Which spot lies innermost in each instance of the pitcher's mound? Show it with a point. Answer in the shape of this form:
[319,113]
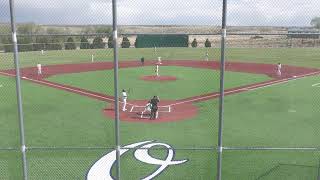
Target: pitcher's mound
[158,78]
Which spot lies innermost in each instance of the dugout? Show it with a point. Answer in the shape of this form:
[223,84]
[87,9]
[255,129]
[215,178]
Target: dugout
[161,40]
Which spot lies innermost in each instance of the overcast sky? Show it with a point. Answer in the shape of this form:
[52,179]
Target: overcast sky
[165,12]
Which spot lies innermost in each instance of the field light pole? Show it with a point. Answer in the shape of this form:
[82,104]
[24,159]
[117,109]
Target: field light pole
[221,99]
[116,93]
[18,90]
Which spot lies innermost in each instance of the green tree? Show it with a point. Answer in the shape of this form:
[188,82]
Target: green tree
[136,43]
[40,44]
[88,30]
[194,43]
[54,44]
[70,44]
[7,41]
[25,41]
[98,43]
[207,43]
[54,40]
[315,22]
[103,29]
[125,42]
[110,42]
[28,28]
[5,29]
[84,43]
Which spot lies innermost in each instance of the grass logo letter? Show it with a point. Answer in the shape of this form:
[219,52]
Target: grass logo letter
[101,170]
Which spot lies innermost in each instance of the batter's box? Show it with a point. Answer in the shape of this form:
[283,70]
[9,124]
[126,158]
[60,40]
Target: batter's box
[139,109]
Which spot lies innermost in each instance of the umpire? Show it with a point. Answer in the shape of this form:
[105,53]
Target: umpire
[154,107]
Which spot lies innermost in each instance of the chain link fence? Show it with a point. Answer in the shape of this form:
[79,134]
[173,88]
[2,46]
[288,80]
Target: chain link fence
[73,128]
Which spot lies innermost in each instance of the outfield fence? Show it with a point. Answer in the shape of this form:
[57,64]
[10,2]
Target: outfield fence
[69,121]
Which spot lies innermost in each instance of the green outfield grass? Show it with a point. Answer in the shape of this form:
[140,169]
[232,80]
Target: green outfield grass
[283,115]
[308,57]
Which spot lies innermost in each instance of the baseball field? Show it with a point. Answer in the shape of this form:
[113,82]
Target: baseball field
[69,114]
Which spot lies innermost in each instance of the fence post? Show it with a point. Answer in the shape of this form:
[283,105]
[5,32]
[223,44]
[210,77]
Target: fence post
[116,93]
[221,98]
[18,90]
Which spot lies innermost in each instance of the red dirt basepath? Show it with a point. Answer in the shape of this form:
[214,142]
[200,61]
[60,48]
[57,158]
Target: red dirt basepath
[134,109]
[158,78]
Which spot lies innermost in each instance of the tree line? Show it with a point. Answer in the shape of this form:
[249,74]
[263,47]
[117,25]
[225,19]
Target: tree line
[55,43]
[194,43]
[52,40]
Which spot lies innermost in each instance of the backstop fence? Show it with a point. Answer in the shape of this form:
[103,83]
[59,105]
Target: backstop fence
[236,102]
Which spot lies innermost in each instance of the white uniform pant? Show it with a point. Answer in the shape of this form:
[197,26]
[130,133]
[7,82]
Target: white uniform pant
[124,101]
[157,70]
[279,72]
[39,71]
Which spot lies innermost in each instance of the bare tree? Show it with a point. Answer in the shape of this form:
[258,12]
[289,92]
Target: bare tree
[315,22]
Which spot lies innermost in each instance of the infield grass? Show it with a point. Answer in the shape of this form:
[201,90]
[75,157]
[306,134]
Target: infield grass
[190,81]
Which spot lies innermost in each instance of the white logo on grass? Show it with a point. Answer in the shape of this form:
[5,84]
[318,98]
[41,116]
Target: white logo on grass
[101,170]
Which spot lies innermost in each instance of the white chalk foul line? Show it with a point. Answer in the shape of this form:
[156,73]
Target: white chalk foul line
[131,108]
[250,88]
[64,87]
[67,88]
[316,85]
[7,74]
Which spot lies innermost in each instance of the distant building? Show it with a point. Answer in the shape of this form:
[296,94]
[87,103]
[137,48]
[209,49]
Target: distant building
[303,33]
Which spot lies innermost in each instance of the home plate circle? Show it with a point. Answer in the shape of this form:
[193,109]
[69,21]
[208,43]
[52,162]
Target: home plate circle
[168,110]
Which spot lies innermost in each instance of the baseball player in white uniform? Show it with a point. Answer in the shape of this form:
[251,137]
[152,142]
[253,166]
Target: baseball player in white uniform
[157,70]
[124,100]
[39,69]
[159,60]
[279,66]
[207,56]
[147,108]
[157,66]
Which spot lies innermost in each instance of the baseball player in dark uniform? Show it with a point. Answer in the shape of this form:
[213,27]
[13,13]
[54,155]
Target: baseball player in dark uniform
[154,107]
[142,61]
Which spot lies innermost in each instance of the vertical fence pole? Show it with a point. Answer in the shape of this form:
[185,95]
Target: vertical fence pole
[116,94]
[221,99]
[18,90]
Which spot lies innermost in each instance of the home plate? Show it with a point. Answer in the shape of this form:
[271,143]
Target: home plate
[294,76]
[23,77]
[292,110]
